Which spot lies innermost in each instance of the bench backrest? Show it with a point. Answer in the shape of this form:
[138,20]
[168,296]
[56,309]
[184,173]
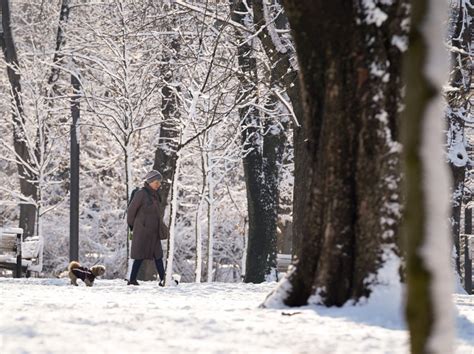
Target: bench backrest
[31,247]
[8,239]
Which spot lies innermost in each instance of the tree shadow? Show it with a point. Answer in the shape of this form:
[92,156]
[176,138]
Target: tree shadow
[388,318]
[388,315]
[465,328]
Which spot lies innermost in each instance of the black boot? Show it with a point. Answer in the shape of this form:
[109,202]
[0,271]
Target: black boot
[132,282]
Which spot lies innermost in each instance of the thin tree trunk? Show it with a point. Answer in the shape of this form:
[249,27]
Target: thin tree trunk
[261,249]
[166,152]
[173,211]
[283,77]
[167,149]
[427,247]
[198,265]
[458,173]
[58,55]
[27,179]
[273,146]
[458,107]
[210,219]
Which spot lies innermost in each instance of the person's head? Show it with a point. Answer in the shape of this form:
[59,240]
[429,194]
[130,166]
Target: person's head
[153,179]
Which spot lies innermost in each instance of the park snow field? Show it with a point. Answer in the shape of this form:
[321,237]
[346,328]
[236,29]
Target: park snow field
[50,316]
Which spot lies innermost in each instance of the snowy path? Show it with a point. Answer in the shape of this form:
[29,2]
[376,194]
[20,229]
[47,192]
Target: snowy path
[47,315]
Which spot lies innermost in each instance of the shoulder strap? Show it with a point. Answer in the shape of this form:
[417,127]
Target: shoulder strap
[150,198]
[133,194]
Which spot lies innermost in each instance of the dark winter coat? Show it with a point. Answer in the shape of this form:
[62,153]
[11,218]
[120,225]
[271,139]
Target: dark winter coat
[143,215]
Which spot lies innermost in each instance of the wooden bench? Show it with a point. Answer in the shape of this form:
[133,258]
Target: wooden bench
[20,255]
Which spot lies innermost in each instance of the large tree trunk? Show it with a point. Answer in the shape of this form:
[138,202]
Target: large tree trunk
[428,304]
[349,221]
[28,187]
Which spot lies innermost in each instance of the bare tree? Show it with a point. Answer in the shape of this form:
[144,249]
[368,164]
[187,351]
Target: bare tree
[165,154]
[260,155]
[428,309]
[271,25]
[23,153]
[126,103]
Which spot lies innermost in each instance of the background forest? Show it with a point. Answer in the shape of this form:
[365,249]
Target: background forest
[207,93]
[155,80]
[336,133]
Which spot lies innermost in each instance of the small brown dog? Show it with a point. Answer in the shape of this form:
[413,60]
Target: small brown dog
[76,271]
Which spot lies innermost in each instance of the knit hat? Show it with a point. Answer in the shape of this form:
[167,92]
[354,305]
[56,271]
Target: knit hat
[153,175]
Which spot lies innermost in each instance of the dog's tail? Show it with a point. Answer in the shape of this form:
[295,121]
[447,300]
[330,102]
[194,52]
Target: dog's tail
[73,265]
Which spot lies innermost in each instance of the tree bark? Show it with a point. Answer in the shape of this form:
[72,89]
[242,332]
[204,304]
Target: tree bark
[259,152]
[284,76]
[349,218]
[424,293]
[58,55]
[166,152]
[27,178]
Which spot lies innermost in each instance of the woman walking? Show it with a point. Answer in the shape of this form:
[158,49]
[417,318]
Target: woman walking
[143,217]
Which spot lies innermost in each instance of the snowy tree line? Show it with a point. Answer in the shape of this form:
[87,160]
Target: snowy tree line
[158,87]
[209,94]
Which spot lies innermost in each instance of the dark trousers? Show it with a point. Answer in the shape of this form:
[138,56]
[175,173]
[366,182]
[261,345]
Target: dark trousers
[138,262]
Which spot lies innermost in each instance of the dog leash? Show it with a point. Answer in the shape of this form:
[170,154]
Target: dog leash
[95,263]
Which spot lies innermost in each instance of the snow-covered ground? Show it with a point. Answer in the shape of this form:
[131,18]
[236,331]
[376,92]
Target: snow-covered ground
[50,316]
